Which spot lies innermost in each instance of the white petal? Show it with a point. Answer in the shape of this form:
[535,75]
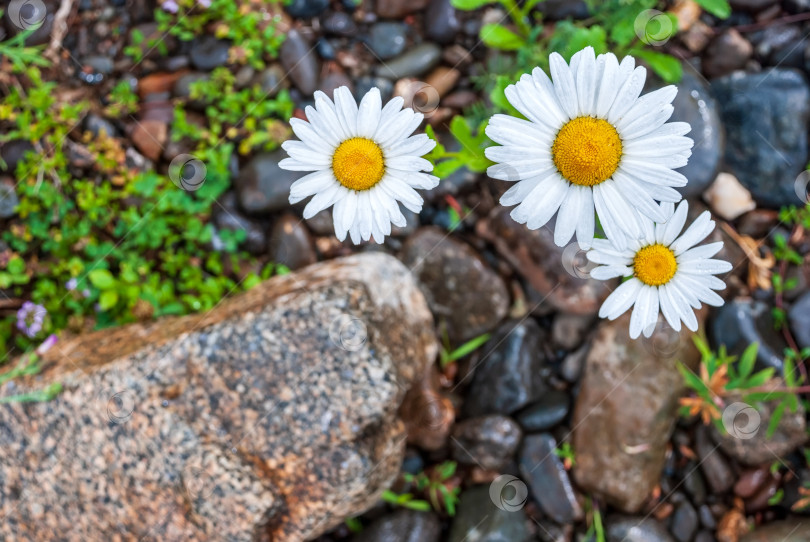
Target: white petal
[668,307]
[311,184]
[290,164]
[346,109]
[322,127]
[368,116]
[608,86]
[586,82]
[628,93]
[586,221]
[674,225]
[324,200]
[642,315]
[553,113]
[564,85]
[607,272]
[694,234]
[349,214]
[568,216]
[621,299]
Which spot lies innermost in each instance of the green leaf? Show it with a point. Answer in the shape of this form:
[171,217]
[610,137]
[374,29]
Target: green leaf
[500,37]
[760,378]
[447,167]
[468,347]
[108,299]
[469,5]
[776,417]
[718,8]
[101,279]
[691,379]
[746,363]
[667,67]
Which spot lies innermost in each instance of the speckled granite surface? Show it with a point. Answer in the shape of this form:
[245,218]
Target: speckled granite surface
[272,417]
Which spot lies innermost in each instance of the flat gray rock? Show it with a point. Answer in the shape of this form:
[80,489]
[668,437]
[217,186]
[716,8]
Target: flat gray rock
[272,417]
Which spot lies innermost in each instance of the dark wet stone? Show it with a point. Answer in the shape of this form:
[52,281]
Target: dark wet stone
[547,478]
[96,125]
[403,526]
[705,536]
[12,153]
[228,216]
[262,186]
[707,517]
[726,53]
[762,498]
[366,82]
[557,10]
[533,254]
[427,413]
[779,45]
[211,416]
[478,516]
[8,198]
[340,24]
[182,87]
[796,6]
[325,49]
[551,409]
[799,319]
[387,39]
[395,9]
[99,64]
[766,151]
[488,441]
[447,269]
[713,464]
[305,9]
[300,62]
[571,368]
[334,81]
[569,330]
[208,52]
[441,22]
[271,80]
[694,484]
[694,104]
[290,243]
[508,376]
[745,438]
[637,530]
[741,322]
[684,523]
[787,530]
[750,482]
[413,63]
[623,414]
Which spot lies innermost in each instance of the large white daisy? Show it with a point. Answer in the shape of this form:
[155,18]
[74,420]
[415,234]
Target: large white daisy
[589,142]
[363,160]
[668,272]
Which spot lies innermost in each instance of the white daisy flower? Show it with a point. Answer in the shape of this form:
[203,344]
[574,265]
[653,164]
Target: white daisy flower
[668,272]
[363,160]
[589,142]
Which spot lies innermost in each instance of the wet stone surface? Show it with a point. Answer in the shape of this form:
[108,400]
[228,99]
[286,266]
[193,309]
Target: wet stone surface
[160,427]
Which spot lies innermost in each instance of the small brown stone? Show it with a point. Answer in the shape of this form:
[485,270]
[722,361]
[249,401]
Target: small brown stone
[149,136]
[443,79]
[159,82]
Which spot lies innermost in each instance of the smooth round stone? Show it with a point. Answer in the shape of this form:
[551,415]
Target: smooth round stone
[271,80]
[387,39]
[300,62]
[441,21]
[799,318]
[340,24]
[550,410]
[304,9]
[413,63]
[208,52]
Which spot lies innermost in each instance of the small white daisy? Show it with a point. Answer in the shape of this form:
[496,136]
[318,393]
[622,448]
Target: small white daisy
[589,143]
[363,160]
[668,272]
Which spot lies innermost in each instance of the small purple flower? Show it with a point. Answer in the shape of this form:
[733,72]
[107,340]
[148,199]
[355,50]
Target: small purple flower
[30,317]
[71,284]
[204,3]
[170,6]
[47,344]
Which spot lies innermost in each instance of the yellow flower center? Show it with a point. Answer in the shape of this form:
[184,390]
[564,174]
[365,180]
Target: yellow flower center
[358,163]
[587,151]
[654,265]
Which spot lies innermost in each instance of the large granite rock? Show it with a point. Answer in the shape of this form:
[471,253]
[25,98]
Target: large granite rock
[272,417]
[767,150]
[625,411]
